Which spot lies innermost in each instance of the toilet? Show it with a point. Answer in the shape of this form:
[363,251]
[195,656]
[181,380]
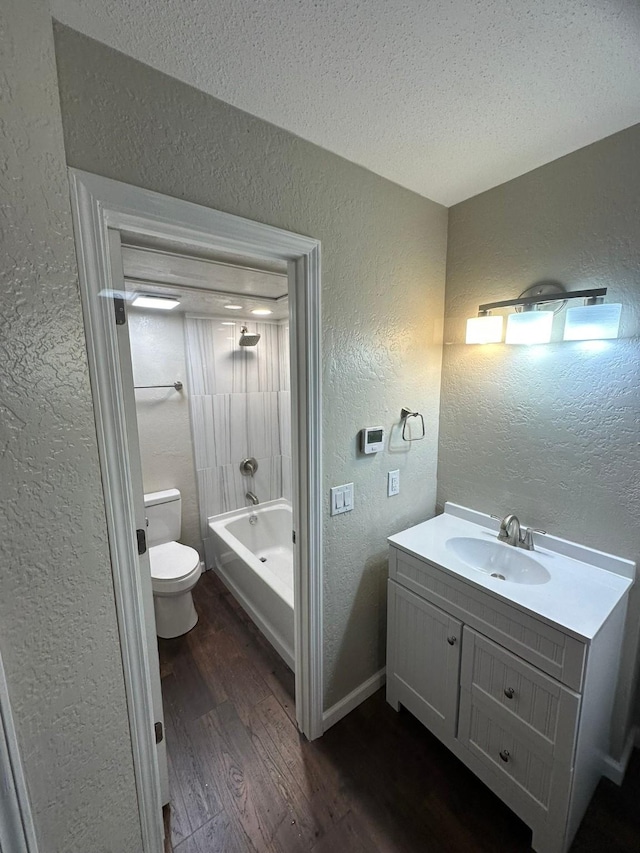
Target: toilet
[175,568]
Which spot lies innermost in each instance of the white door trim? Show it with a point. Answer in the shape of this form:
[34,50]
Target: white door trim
[98,204]
[17,832]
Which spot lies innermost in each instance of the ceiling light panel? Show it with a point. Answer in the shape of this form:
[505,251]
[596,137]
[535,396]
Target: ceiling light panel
[161,303]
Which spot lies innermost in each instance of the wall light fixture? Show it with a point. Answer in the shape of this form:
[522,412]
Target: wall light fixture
[484,329]
[592,321]
[533,318]
[532,326]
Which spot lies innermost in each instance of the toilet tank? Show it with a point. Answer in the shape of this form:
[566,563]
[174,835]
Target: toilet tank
[164,514]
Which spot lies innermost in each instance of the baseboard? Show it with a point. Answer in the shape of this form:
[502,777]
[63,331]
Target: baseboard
[615,770]
[336,712]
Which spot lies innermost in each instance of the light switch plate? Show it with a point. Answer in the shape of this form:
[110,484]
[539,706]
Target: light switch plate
[393,483]
[341,499]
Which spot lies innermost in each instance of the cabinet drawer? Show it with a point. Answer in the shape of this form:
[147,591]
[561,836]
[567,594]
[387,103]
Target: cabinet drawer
[545,646]
[492,741]
[538,704]
[520,769]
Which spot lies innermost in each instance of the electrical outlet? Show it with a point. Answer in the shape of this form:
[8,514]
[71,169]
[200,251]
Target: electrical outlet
[393,483]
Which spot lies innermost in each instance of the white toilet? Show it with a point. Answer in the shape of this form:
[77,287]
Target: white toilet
[175,568]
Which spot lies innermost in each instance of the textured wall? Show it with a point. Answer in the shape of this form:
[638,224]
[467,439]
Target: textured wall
[383,256]
[58,631]
[164,426]
[550,432]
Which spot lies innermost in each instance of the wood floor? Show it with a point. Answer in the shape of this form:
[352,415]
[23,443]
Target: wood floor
[242,779]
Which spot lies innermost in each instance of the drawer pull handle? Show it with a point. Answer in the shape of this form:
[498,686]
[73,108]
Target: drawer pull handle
[451,640]
[509,692]
[504,755]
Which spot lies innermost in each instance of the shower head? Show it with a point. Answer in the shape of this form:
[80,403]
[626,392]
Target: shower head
[247,340]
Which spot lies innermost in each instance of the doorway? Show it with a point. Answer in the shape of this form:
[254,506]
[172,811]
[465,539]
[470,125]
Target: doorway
[106,215]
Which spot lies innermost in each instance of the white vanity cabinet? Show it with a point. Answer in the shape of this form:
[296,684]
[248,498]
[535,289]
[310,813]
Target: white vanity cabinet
[524,703]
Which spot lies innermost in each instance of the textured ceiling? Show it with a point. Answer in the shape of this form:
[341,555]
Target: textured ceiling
[445,97]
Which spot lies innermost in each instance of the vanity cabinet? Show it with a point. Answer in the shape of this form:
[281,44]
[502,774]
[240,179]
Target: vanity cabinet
[524,704]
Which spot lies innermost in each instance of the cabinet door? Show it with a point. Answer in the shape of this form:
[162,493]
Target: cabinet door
[423,662]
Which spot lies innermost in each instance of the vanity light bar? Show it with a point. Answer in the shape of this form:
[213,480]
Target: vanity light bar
[540,298]
[594,320]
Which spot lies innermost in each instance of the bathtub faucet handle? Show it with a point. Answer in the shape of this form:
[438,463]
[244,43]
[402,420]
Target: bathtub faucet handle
[249,466]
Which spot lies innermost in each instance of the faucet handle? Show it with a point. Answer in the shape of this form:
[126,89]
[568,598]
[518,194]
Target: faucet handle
[526,540]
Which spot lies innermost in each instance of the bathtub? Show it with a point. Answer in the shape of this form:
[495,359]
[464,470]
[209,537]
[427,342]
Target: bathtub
[255,561]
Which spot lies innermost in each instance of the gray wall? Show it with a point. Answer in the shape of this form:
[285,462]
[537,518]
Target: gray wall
[551,432]
[164,426]
[383,257]
[58,632]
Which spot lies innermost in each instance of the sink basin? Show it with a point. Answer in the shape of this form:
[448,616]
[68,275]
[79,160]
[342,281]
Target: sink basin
[501,561]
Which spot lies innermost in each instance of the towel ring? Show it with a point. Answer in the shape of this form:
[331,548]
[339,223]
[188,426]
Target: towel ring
[405,415]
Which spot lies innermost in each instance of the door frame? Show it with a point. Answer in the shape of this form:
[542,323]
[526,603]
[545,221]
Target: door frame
[17,832]
[98,204]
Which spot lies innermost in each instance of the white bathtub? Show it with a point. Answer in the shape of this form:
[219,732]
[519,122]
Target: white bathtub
[256,563]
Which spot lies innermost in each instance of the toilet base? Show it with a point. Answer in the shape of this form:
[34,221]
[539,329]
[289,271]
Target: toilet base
[175,614]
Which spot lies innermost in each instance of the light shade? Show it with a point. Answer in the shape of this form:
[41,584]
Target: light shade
[146,300]
[529,327]
[484,330]
[592,322]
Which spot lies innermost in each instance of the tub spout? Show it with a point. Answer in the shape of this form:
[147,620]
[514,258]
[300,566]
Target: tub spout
[253,498]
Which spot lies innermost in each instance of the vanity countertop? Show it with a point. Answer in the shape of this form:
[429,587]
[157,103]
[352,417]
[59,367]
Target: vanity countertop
[584,585]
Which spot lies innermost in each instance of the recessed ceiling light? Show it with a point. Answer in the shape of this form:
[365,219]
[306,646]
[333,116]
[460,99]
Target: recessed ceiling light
[262,312]
[234,307]
[148,300]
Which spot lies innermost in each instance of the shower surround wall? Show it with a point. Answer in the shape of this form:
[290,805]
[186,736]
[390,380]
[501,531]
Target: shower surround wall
[240,407]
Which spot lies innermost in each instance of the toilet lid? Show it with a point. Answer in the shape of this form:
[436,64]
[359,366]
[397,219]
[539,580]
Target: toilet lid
[172,560]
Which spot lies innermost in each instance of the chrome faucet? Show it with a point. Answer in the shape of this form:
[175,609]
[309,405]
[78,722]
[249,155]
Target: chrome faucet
[511,533]
[509,530]
[253,498]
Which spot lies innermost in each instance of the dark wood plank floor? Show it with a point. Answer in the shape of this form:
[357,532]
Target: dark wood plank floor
[242,779]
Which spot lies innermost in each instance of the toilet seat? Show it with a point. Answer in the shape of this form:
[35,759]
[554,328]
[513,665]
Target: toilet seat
[174,568]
